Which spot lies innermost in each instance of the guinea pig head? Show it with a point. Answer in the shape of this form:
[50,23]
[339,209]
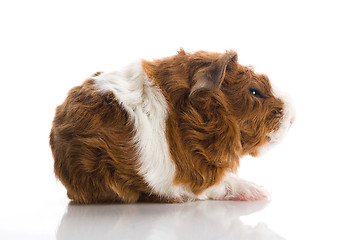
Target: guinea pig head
[263,114]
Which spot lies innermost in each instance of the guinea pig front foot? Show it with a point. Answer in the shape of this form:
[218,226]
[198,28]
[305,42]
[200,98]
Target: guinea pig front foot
[238,189]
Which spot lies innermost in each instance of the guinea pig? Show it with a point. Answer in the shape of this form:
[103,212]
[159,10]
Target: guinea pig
[168,130]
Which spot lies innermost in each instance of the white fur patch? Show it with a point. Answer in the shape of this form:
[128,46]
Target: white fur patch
[234,188]
[148,109]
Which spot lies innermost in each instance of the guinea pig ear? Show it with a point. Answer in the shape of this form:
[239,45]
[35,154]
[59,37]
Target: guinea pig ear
[211,77]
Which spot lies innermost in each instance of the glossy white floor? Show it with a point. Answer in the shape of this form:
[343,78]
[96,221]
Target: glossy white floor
[310,48]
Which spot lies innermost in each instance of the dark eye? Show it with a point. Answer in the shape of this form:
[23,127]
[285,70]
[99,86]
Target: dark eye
[255,92]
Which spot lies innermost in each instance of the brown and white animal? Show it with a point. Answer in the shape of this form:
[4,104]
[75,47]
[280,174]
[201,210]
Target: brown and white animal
[168,130]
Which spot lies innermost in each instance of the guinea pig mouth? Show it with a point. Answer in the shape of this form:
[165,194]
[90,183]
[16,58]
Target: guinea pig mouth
[276,135]
[277,132]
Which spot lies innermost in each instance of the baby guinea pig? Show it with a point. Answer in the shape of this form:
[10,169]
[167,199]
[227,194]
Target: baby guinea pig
[169,130]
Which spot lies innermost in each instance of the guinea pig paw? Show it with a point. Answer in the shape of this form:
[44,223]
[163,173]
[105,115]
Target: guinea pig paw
[181,199]
[247,191]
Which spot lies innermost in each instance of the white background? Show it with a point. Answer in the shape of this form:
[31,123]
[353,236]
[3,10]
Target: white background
[310,49]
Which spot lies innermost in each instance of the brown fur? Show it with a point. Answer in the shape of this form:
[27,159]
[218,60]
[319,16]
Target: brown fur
[91,144]
[208,133]
[213,121]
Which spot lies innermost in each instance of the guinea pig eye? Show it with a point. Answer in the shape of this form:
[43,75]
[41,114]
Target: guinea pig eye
[255,92]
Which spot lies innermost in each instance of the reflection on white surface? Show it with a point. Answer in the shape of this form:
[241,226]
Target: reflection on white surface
[195,220]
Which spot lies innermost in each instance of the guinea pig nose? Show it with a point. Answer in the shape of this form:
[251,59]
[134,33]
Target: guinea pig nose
[292,121]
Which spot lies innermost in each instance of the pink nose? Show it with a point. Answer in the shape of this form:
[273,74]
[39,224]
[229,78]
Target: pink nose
[292,121]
